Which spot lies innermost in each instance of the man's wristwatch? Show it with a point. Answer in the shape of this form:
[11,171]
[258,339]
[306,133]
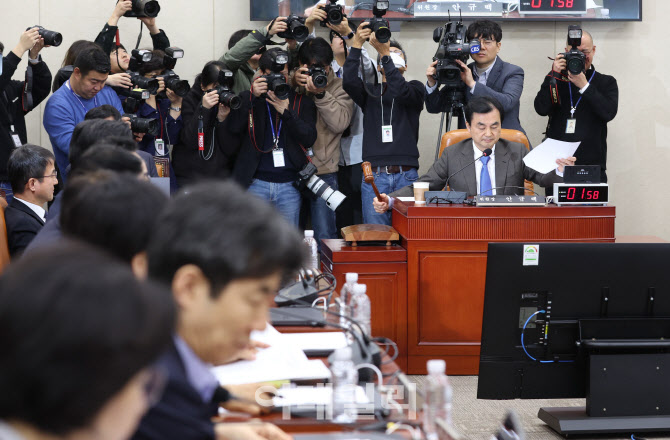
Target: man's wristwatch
[348,37]
[176,109]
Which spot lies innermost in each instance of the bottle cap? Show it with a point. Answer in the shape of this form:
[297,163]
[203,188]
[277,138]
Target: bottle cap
[309,233]
[436,366]
[351,277]
[359,288]
[343,354]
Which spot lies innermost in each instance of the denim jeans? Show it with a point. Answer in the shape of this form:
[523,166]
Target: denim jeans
[7,188]
[283,196]
[386,184]
[323,218]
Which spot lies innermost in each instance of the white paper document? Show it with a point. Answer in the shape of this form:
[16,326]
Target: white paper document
[543,157]
[316,341]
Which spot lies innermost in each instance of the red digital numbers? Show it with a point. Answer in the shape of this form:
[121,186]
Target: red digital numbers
[571,194]
[596,195]
[569,3]
[585,195]
[537,4]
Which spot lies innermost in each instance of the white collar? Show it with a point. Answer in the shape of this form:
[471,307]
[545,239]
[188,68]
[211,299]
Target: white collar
[37,209]
[478,152]
[488,69]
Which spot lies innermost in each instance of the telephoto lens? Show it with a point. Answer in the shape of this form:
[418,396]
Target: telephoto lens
[51,38]
[142,125]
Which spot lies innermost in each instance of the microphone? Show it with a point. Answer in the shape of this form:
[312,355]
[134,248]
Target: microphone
[459,196]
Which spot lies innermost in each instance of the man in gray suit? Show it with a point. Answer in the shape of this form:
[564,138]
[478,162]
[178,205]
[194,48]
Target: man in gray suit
[488,75]
[504,165]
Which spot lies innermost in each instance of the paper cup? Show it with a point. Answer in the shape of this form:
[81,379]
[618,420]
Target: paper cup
[420,189]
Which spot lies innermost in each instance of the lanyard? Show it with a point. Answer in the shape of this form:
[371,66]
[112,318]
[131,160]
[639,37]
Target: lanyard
[95,98]
[381,99]
[275,135]
[573,108]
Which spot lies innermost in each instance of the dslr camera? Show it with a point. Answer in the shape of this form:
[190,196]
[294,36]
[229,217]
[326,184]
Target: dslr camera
[452,46]
[169,77]
[574,58]
[142,125]
[296,29]
[144,8]
[319,76]
[309,182]
[225,90]
[137,58]
[51,38]
[380,26]
[334,14]
[276,80]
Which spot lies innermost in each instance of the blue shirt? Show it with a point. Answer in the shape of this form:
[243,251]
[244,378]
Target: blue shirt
[64,111]
[198,372]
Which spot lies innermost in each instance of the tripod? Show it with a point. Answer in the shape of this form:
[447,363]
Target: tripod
[455,97]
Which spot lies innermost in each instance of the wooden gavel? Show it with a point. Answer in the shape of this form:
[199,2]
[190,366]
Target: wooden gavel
[369,178]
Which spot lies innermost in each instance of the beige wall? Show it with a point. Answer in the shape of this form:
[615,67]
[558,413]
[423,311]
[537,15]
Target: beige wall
[639,137]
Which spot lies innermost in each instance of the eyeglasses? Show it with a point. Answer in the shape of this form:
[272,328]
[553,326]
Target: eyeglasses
[486,42]
[53,175]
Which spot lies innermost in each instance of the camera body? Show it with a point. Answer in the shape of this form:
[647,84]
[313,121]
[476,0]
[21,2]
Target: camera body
[51,38]
[296,29]
[575,58]
[225,90]
[452,46]
[334,13]
[319,76]
[380,26]
[277,84]
[142,125]
[308,182]
[144,8]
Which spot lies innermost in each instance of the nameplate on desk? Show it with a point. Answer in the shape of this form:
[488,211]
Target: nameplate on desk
[503,200]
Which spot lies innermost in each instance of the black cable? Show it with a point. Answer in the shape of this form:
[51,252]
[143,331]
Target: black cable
[139,37]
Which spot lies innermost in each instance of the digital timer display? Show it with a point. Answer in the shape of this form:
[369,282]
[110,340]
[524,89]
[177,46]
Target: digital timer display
[552,6]
[584,193]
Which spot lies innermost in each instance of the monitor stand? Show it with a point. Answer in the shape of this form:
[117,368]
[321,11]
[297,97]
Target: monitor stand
[574,421]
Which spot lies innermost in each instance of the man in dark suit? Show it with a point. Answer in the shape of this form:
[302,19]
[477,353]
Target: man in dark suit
[224,254]
[502,172]
[488,75]
[32,174]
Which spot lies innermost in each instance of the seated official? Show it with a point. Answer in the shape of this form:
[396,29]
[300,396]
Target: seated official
[79,336]
[503,172]
[224,254]
[33,177]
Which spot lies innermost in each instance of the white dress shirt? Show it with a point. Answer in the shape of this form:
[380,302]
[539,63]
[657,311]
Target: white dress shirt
[482,77]
[37,209]
[490,166]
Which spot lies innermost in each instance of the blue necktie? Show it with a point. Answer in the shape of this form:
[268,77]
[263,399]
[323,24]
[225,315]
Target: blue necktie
[484,178]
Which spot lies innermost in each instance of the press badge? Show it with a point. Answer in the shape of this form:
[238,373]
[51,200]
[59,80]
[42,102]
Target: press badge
[159,145]
[17,140]
[278,157]
[387,133]
[570,126]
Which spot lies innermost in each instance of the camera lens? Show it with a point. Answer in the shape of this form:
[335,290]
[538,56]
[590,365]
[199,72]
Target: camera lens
[142,125]
[320,80]
[299,30]
[575,65]
[382,33]
[180,87]
[335,16]
[230,100]
[281,89]
[149,8]
[51,38]
[151,84]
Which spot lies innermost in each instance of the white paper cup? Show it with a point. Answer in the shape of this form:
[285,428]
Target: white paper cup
[420,189]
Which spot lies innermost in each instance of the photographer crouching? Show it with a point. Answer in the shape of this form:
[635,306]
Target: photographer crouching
[334,109]
[276,126]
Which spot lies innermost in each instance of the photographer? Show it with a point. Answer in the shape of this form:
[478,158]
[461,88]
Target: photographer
[274,146]
[391,123]
[587,101]
[488,75]
[245,48]
[168,113]
[12,113]
[334,109]
[201,107]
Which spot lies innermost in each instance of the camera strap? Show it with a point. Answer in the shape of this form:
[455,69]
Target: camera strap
[27,98]
[573,107]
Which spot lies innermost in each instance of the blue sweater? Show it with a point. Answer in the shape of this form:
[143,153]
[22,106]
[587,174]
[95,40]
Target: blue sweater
[64,111]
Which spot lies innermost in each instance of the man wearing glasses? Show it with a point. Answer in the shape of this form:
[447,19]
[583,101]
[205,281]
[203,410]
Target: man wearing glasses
[32,174]
[488,76]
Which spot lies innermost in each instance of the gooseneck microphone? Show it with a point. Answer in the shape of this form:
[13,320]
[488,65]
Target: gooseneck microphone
[485,153]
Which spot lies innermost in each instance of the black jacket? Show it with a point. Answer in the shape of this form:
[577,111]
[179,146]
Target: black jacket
[598,106]
[188,162]
[22,226]
[406,98]
[108,33]
[11,93]
[299,131]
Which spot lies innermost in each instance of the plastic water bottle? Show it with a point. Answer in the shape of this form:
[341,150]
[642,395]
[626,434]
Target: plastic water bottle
[437,404]
[360,307]
[345,380]
[345,298]
[313,250]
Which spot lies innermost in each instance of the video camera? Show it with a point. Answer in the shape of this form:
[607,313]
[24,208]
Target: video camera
[309,181]
[380,26]
[574,58]
[451,47]
[142,125]
[143,8]
[51,38]
[226,95]
[334,14]
[296,29]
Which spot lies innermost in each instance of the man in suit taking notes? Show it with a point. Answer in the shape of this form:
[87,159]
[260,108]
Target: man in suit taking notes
[501,172]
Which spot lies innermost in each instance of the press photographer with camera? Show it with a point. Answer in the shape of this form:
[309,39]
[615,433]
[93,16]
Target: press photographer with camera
[487,75]
[334,109]
[68,105]
[245,48]
[12,105]
[390,121]
[276,126]
[579,100]
[205,147]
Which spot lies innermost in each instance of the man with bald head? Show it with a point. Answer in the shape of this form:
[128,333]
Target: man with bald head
[581,108]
